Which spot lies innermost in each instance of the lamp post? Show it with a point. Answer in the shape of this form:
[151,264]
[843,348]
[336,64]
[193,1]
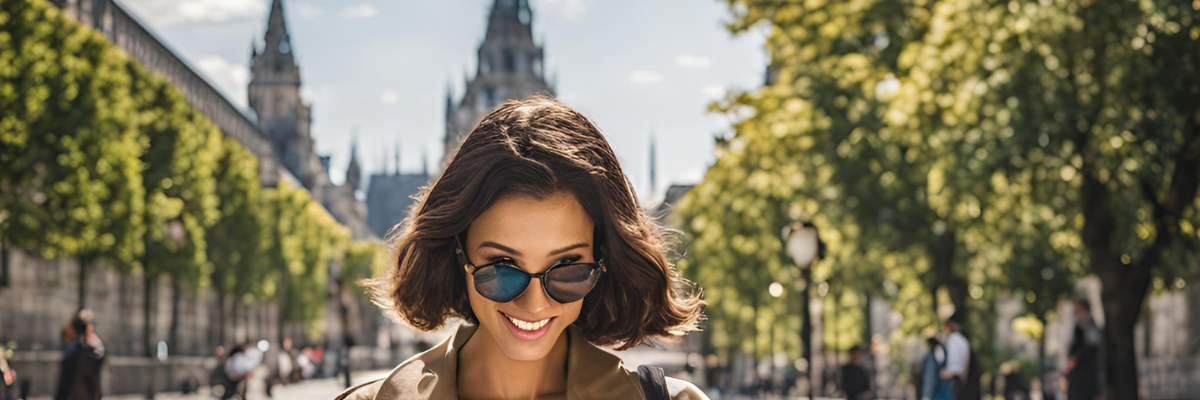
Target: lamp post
[803,245]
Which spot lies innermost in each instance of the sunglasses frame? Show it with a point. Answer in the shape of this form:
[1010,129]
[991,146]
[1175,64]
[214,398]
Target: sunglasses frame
[462,258]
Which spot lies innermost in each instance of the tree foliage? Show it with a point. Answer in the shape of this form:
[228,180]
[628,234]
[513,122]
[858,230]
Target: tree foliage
[975,146]
[71,176]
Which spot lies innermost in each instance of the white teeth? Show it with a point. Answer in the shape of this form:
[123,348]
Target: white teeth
[526,325]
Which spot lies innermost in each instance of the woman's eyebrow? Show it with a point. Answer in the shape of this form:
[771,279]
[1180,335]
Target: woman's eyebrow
[569,248]
[517,253]
[500,247]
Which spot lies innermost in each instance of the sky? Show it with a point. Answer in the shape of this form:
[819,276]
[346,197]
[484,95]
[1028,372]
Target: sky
[378,70]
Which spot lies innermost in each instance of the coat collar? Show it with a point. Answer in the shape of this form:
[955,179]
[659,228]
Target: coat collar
[592,373]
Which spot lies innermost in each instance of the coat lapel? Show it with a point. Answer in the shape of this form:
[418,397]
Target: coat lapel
[592,373]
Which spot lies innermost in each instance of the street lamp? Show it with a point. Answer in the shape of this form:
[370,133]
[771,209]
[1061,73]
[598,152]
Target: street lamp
[804,246]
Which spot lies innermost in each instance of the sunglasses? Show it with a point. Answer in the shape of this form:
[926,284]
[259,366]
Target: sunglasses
[503,281]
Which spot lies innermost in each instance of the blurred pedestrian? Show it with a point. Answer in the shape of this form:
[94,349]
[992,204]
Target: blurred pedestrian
[79,378]
[958,357]
[8,377]
[1015,386]
[933,387]
[1083,363]
[856,383]
[239,366]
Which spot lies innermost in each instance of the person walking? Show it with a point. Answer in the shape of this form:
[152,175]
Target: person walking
[83,357]
[856,383]
[1083,363]
[933,387]
[958,357]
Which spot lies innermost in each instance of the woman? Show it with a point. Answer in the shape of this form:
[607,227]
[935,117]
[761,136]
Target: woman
[933,387]
[533,236]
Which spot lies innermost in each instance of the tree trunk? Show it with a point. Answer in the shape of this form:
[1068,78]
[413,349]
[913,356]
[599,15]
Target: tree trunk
[173,330]
[1123,300]
[4,283]
[235,320]
[942,250]
[148,315]
[218,336]
[1041,353]
[82,289]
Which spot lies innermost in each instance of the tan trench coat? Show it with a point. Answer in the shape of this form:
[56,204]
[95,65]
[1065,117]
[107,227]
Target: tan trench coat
[592,373]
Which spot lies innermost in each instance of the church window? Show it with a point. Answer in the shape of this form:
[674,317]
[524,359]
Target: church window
[510,63]
[285,47]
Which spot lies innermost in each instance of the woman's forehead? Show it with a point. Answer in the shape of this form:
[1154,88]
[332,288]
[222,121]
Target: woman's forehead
[531,225]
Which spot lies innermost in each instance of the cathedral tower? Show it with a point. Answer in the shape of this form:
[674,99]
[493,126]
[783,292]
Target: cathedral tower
[274,95]
[511,65]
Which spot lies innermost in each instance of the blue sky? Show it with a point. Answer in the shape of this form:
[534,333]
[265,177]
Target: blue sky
[633,67]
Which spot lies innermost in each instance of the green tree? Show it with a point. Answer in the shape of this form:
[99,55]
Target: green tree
[236,243]
[181,203]
[303,240]
[72,176]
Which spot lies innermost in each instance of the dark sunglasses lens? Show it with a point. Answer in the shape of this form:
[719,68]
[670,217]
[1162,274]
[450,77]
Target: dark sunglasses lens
[500,282]
[570,283]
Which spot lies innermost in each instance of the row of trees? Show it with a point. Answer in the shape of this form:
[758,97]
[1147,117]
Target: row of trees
[954,151]
[105,162]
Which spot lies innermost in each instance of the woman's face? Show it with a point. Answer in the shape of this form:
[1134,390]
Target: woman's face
[533,234]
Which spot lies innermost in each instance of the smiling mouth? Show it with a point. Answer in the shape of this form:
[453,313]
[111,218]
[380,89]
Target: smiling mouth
[527,330]
[529,326]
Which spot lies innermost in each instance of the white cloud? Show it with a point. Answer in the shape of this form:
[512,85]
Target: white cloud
[570,9]
[713,91]
[161,13]
[230,78]
[306,10]
[364,10]
[309,95]
[643,77]
[389,97]
[691,61]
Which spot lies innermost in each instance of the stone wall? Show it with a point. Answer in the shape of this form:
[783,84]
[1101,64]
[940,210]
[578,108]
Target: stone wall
[41,297]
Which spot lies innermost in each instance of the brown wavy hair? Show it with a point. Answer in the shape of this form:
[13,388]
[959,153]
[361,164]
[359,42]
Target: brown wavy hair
[537,146]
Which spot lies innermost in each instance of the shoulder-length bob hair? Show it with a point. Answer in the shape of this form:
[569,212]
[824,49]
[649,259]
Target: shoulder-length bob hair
[537,146]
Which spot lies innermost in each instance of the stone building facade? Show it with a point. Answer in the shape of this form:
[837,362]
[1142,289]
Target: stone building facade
[510,65]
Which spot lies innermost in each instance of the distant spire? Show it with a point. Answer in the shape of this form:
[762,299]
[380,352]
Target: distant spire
[397,158]
[653,165]
[425,162]
[449,99]
[276,20]
[353,171]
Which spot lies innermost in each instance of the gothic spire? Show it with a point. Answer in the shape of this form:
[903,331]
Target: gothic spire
[276,22]
[653,165]
[397,158]
[510,14]
[449,99]
[353,171]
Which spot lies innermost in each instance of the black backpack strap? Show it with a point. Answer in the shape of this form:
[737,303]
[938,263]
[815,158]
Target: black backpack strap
[654,383]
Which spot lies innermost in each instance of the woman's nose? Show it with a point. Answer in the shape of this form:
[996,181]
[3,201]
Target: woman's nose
[535,299]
